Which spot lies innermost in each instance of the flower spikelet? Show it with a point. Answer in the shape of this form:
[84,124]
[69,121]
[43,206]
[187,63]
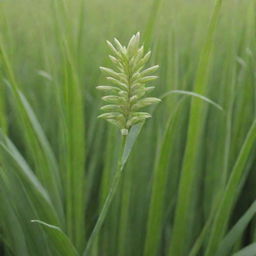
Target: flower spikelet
[126,91]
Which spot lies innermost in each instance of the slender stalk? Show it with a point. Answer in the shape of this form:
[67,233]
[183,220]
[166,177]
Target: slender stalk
[110,196]
[124,214]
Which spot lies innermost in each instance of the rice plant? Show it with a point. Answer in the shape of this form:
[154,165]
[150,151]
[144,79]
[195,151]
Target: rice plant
[129,89]
[171,172]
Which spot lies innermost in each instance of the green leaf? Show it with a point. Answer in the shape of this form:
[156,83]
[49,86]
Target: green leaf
[229,195]
[235,233]
[159,188]
[11,224]
[197,95]
[196,124]
[36,141]
[131,138]
[249,250]
[58,238]
[127,145]
[152,19]
[39,195]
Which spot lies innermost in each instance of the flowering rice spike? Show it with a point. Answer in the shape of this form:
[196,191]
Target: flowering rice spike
[126,94]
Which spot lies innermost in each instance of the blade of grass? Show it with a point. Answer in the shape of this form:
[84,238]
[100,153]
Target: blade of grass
[38,193]
[16,242]
[230,69]
[181,224]
[72,127]
[123,224]
[108,200]
[127,145]
[160,177]
[197,95]
[247,251]
[111,153]
[3,120]
[21,197]
[235,233]
[58,238]
[228,198]
[203,234]
[131,139]
[151,22]
[36,141]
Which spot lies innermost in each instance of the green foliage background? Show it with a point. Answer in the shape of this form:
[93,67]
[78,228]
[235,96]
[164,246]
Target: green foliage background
[189,184]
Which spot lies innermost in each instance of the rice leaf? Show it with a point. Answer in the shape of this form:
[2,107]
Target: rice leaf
[247,251]
[229,195]
[196,123]
[235,233]
[61,242]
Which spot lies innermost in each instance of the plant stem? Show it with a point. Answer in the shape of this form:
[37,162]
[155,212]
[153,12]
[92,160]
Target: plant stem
[110,196]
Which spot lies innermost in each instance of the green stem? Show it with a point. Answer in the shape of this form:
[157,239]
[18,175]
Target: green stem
[107,203]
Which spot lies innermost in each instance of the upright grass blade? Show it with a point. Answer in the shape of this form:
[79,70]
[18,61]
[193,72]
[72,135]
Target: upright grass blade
[72,126]
[81,25]
[39,196]
[36,141]
[127,144]
[160,177]
[230,69]
[22,197]
[196,123]
[123,224]
[108,200]
[58,238]
[3,120]
[125,198]
[111,153]
[247,251]
[235,233]
[204,232]
[229,196]
[152,22]
[75,139]
[16,242]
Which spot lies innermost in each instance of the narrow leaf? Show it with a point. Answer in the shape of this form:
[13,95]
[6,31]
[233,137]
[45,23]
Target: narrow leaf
[58,238]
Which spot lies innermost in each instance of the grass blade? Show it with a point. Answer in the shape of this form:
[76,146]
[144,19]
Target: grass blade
[197,95]
[247,251]
[72,126]
[127,145]
[41,198]
[160,177]
[36,141]
[58,238]
[131,138]
[194,132]
[152,21]
[235,233]
[228,198]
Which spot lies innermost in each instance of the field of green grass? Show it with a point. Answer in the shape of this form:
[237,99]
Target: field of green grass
[182,183]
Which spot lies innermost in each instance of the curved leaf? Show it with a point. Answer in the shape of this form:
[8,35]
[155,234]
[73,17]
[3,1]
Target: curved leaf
[58,238]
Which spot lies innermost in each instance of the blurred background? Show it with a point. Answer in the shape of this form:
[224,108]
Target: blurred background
[33,34]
